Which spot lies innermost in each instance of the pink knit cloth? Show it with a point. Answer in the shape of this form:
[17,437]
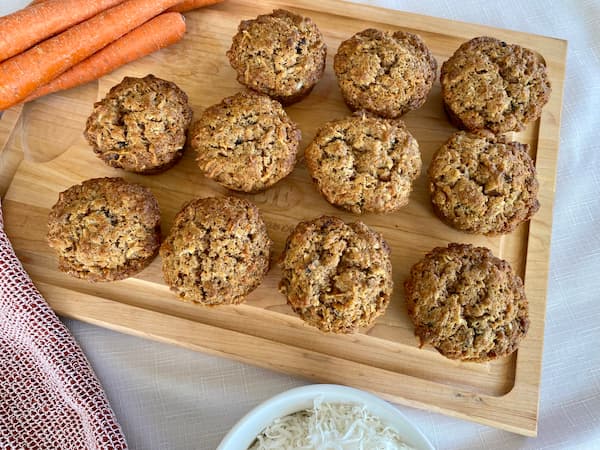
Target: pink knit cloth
[50,397]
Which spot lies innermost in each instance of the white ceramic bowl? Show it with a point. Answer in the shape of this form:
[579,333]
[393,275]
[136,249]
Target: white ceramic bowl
[242,435]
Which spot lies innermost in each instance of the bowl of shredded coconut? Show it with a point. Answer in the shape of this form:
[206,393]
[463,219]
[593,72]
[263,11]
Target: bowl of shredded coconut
[324,417]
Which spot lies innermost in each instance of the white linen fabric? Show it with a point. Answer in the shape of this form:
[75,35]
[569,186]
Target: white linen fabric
[170,398]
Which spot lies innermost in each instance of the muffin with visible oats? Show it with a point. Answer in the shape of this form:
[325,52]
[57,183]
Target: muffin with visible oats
[247,142]
[141,125]
[363,163]
[467,303]
[481,183]
[104,229]
[489,84]
[281,54]
[385,73]
[217,251]
[336,276]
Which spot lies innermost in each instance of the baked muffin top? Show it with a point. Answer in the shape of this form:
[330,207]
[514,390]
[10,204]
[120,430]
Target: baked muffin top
[484,184]
[281,54]
[385,73]
[467,303]
[104,229]
[364,163]
[246,143]
[141,124]
[489,84]
[217,251]
[336,276]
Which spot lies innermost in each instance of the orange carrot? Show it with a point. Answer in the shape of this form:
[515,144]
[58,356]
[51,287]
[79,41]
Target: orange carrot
[184,6]
[163,30]
[188,5]
[34,23]
[24,73]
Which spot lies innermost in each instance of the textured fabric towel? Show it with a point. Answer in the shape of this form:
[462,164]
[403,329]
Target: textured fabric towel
[50,397]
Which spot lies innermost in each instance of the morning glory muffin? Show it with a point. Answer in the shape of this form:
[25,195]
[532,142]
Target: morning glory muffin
[217,251]
[482,183]
[363,163]
[246,143]
[104,229]
[489,84]
[141,125]
[337,277]
[467,303]
[385,73]
[281,54]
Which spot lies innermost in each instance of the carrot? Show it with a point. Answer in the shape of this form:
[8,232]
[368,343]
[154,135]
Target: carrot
[184,6]
[24,73]
[163,30]
[188,5]
[34,23]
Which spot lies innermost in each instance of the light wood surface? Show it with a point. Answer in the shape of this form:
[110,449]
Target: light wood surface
[45,153]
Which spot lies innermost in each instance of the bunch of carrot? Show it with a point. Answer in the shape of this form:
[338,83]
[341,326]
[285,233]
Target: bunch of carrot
[53,45]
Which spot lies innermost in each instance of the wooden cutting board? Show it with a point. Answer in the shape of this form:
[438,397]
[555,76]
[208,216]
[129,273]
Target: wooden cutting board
[46,154]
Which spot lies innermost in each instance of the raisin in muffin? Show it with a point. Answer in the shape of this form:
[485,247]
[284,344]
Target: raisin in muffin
[387,74]
[489,84]
[467,303]
[217,251]
[280,54]
[336,276]
[246,143]
[104,229]
[480,183]
[364,163]
[141,125]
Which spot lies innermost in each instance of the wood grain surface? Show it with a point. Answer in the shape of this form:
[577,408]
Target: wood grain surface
[45,153]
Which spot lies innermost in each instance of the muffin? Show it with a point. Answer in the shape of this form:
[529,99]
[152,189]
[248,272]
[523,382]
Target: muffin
[481,183]
[385,73]
[246,143]
[280,54]
[489,84]
[364,163]
[140,126]
[336,276]
[467,303]
[104,229]
[216,252]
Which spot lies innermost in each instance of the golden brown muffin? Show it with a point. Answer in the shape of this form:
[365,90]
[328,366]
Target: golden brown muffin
[104,229]
[467,303]
[217,251]
[140,126]
[489,84]
[480,183]
[364,163]
[385,73]
[336,276]
[246,143]
[280,54]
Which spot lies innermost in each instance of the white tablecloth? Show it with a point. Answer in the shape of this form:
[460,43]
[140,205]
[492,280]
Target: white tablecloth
[170,398]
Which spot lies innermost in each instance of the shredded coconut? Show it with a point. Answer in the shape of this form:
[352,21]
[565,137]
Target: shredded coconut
[329,426]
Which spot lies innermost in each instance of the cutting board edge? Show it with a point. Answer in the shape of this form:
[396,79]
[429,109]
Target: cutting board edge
[198,336]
